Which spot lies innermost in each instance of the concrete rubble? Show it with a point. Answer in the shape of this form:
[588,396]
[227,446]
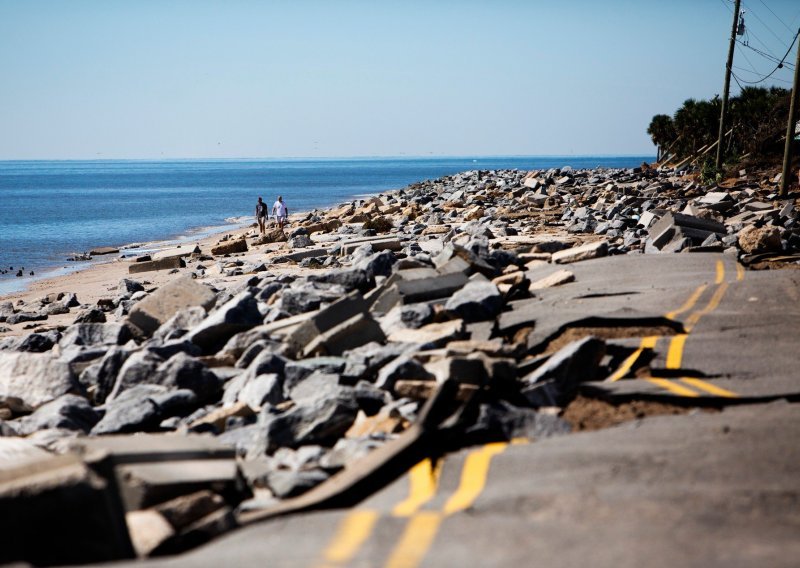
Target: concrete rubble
[166,412]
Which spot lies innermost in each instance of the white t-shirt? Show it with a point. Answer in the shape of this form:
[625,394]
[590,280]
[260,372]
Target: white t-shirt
[279,209]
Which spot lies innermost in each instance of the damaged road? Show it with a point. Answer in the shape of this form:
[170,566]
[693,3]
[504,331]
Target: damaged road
[404,375]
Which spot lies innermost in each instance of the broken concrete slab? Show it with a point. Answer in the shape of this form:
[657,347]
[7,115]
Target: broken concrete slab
[230,247]
[154,310]
[151,265]
[431,335]
[555,383]
[557,278]
[584,252]
[57,511]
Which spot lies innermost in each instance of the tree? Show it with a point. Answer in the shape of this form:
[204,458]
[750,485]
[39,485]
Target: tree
[661,131]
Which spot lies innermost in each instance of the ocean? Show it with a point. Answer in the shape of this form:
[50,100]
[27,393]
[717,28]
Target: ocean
[51,209]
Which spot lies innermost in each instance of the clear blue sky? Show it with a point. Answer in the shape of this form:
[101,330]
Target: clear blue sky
[197,79]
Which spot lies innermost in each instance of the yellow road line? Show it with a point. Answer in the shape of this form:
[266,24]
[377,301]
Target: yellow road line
[423,526]
[675,351]
[625,367]
[739,272]
[358,525]
[473,477]
[690,302]
[423,479]
[720,272]
[416,540]
[353,532]
[712,305]
[672,387]
[708,387]
[649,342]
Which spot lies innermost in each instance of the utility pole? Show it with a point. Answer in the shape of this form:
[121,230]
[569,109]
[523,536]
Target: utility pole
[727,88]
[787,149]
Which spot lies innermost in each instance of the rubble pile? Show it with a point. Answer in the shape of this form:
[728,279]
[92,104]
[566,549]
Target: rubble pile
[269,366]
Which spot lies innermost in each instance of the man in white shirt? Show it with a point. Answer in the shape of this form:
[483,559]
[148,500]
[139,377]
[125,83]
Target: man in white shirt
[280,211]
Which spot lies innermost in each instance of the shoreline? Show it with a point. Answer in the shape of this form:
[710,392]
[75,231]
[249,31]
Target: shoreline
[12,286]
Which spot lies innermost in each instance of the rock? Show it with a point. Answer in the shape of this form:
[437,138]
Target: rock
[95,334]
[273,236]
[34,378]
[169,263]
[501,420]
[353,279]
[765,239]
[148,529]
[363,363]
[476,301]
[126,285]
[179,324]
[555,383]
[430,336]
[405,367]
[56,510]
[321,421]
[6,310]
[254,390]
[69,412]
[353,332]
[185,372]
[300,241]
[187,509]
[142,408]
[555,279]
[291,483]
[136,369]
[239,314]
[38,342]
[296,371]
[99,251]
[93,315]
[411,316]
[149,314]
[23,317]
[379,264]
[583,252]
[230,247]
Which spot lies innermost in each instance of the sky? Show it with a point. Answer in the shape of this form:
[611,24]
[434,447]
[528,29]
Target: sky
[153,79]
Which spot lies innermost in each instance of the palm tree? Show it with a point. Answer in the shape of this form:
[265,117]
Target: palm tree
[661,131]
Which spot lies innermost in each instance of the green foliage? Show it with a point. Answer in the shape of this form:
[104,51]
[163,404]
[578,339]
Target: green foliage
[709,174]
[757,116]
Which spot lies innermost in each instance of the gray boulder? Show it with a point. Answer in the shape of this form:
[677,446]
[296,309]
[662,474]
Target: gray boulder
[476,301]
[35,378]
[239,314]
[68,412]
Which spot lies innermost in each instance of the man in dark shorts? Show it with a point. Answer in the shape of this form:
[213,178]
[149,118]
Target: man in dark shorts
[261,215]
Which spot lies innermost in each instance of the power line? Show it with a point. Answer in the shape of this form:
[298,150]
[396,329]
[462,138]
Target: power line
[766,56]
[778,66]
[776,16]
[755,73]
[769,29]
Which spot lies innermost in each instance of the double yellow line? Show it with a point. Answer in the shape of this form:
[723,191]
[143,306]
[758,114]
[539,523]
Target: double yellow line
[423,525]
[677,342]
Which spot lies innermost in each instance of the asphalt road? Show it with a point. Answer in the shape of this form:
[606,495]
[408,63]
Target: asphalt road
[714,487]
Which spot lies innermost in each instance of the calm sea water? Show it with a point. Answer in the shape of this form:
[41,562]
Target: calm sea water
[49,209]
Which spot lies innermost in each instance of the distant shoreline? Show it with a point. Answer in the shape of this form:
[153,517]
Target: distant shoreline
[12,285]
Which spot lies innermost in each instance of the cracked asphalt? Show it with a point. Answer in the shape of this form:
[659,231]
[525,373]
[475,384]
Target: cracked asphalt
[718,486]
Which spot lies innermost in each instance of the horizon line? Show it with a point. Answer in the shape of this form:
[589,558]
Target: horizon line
[330,158]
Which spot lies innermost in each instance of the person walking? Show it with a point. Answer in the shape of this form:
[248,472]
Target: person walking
[280,211]
[261,215]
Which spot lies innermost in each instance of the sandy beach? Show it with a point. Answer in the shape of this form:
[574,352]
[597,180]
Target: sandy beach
[99,281]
